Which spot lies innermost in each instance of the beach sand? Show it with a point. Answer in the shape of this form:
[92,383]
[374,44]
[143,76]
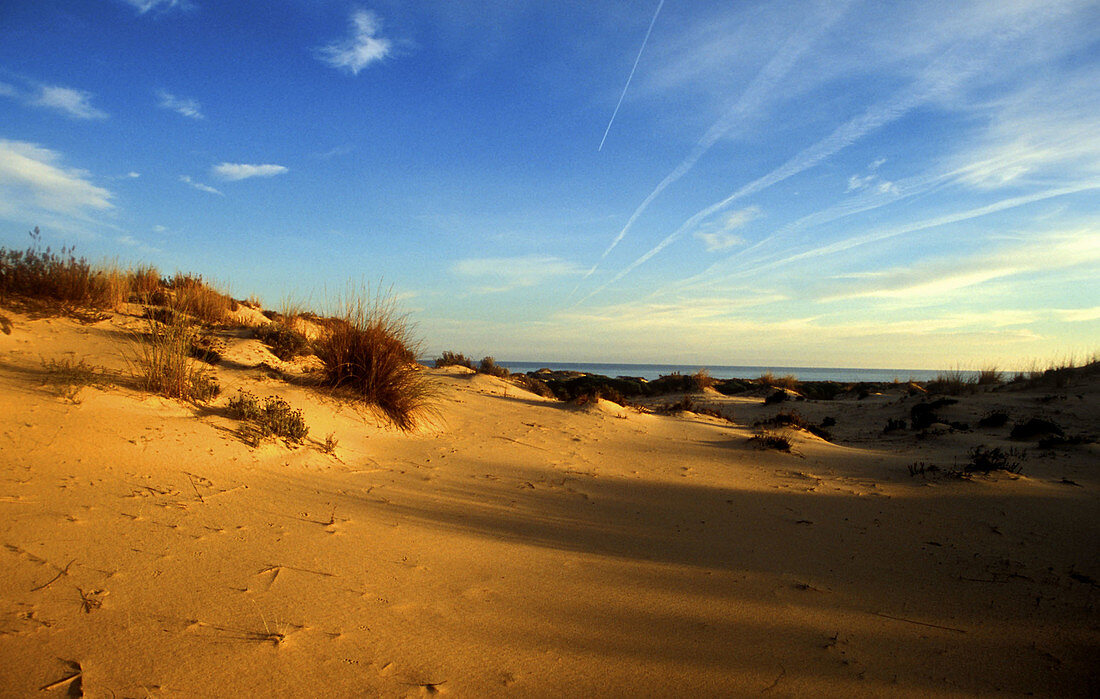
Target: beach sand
[523,546]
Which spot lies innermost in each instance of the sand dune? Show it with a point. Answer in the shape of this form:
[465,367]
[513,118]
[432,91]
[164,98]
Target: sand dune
[523,546]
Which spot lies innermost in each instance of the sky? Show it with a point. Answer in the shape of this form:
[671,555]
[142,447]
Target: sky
[837,183]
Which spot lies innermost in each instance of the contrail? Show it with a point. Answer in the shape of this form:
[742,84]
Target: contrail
[841,138]
[631,76]
[755,95]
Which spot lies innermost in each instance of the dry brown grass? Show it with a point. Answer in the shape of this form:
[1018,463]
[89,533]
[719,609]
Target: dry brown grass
[789,381]
[162,364]
[191,295]
[371,355]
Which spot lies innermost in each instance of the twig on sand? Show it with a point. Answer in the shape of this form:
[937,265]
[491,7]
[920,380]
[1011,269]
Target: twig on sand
[919,623]
[782,671]
[76,674]
[63,571]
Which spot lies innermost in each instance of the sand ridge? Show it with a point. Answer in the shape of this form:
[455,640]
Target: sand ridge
[524,546]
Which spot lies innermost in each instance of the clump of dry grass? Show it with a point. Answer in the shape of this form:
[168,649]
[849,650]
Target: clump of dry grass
[371,355]
[61,277]
[162,363]
[770,380]
[198,299]
[70,377]
[770,440]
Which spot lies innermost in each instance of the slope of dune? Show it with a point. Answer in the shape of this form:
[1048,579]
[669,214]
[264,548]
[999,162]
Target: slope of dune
[518,545]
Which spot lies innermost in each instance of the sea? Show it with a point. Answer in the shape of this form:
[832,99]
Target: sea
[654,371]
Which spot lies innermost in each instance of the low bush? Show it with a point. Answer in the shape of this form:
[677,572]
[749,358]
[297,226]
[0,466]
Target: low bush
[770,380]
[777,397]
[195,298]
[894,425]
[283,341]
[274,418]
[69,377]
[453,359]
[489,366]
[371,355]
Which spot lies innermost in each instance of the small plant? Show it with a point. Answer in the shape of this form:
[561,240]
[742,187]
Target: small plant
[951,383]
[453,359]
[70,377]
[5,324]
[330,443]
[684,405]
[983,460]
[990,376]
[893,425]
[770,380]
[919,468]
[274,418]
[770,440]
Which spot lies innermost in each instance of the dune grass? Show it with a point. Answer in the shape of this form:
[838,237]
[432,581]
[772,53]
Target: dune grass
[162,364]
[370,354]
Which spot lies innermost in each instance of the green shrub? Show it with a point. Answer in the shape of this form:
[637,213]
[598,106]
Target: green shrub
[284,342]
[489,366]
[273,418]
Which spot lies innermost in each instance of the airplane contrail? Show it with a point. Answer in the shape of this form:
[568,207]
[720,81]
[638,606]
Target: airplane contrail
[631,76]
[755,95]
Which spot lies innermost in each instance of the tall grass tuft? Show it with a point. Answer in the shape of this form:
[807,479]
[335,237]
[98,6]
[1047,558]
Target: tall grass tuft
[371,354]
[199,300]
[162,363]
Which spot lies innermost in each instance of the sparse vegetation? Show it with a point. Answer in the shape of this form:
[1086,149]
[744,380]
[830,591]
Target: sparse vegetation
[163,365]
[274,418]
[1036,427]
[894,425]
[770,440]
[776,397]
[284,342]
[70,377]
[770,380]
[489,366]
[449,358]
[983,460]
[195,298]
[371,355]
[796,420]
[329,445]
[61,277]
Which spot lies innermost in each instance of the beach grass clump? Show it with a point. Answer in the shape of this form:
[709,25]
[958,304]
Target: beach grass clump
[954,382]
[770,380]
[273,418]
[59,277]
[191,295]
[162,363]
[984,460]
[449,358]
[371,355]
[771,440]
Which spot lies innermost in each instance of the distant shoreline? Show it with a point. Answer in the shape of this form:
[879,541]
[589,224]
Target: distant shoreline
[654,371]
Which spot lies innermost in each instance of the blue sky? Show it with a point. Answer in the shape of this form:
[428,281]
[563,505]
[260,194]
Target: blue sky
[837,183]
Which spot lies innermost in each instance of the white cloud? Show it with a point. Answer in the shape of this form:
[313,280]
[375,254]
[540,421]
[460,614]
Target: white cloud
[242,171]
[724,238]
[185,107]
[74,103]
[32,179]
[507,273]
[362,48]
[7,90]
[133,175]
[143,6]
[199,185]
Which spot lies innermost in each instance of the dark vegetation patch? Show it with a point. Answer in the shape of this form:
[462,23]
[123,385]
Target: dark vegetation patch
[983,460]
[283,341]
[796,420]
[449,358]
[894,425]
[997,418]
[768,440]
[776,397]
[923,415]
[1035,428]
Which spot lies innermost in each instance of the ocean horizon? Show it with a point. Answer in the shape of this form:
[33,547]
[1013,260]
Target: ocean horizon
[654,371]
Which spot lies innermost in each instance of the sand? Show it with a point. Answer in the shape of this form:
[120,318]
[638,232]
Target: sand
[522,546]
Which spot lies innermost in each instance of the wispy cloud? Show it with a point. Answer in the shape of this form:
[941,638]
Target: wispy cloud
[186,107]
[242,171]
[143,6]
[498,274]
[186,179]
[359,50]
[71,102]
[755,96]
[32,179]
[724,237]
